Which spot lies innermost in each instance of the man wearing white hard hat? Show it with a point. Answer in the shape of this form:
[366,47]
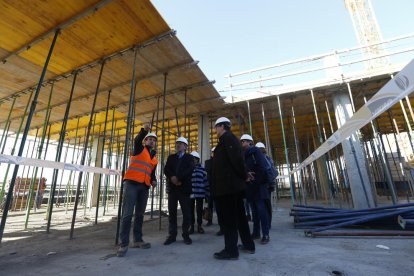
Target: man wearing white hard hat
[178,170]
[229,184]
[138,179]
[272,172]
[200,191]
[256,192]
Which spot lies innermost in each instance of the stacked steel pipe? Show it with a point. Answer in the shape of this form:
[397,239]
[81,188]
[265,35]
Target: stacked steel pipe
[395,220]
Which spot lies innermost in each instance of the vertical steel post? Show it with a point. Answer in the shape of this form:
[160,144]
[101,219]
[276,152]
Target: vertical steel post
[127,138]
[25,134]
[297,155]
[102,156]
[176,121]
[250,118]
[292,188]
[109,162]
[39,156]
[75,207]
[162,148]
[59,154]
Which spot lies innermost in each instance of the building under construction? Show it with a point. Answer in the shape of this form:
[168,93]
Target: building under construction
[78,80]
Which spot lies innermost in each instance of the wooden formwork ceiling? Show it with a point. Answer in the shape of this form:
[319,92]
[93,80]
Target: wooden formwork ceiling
[95,33]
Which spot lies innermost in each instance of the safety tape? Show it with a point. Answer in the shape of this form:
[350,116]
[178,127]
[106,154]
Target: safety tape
[392,92]
[16,160]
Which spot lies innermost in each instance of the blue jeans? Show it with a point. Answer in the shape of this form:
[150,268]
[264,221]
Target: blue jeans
[135,196]
[260,217]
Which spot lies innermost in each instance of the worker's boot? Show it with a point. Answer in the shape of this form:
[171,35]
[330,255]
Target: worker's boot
[200,229]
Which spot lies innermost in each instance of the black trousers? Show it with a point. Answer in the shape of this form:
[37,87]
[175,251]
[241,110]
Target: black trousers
[197,203]
[232,217]
[173,199]
[268,205]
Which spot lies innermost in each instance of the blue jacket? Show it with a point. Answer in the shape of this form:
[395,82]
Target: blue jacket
[256,162]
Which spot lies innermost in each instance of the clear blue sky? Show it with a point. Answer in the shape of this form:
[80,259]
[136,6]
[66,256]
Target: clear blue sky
[228,36]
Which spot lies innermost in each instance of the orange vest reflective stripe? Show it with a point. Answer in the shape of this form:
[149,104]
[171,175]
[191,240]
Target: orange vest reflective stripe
[141,167]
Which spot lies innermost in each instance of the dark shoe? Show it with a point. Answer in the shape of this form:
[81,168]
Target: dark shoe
[141,244]
[224,255]
[169,240]
[265,240]
[245,249]
[219,233]
[249,217]
[209,223]
[191,230]
[122,250]
[200,229]
[255,237]
[187,239]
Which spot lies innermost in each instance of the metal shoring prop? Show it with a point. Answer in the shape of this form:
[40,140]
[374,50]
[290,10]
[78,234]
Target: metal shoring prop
[108,163]
[33,179]
[126,144]
[39,156]
[118,167]
[75,207]
[176,121]
[7,125]
[162,147]
[102,156]
[292,188]
[5,139]
[65,156]
[303,194]
[185,113]
[325,156]
[266,133]
[44,158]
[59,154]
[156,133]
[68,185]
[24,137]
[13,149]
[338,161]
[85,186]
[384,160]
[250,118]
[394,127]
[409,133]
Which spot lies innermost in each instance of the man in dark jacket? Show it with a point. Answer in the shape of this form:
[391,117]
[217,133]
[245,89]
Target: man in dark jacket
[228,186]
[257,192]
[178,170]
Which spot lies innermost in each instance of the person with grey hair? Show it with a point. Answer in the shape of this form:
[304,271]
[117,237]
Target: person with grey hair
[178,170]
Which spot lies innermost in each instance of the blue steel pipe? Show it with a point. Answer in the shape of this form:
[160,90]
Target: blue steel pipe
[361,220]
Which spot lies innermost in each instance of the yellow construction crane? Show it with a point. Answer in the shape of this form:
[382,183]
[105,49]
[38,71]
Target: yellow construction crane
[367,32]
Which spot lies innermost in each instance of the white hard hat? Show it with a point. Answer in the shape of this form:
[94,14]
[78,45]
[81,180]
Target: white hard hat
[195,154]
[260,145]
[212,150]
[151,134]
[182,140]
[246,137]
[222,120]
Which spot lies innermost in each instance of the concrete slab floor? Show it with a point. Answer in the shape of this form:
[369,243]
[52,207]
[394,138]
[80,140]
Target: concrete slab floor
[288,253]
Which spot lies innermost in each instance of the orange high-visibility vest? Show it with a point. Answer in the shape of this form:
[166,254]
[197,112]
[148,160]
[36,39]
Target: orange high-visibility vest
[141,167]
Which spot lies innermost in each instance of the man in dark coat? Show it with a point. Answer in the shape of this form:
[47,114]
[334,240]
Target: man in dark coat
[178,170]
[229,177]
[257,192]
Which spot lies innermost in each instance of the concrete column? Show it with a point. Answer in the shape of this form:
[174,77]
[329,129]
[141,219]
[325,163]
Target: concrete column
[96,162]
[359,181]
[203,138]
